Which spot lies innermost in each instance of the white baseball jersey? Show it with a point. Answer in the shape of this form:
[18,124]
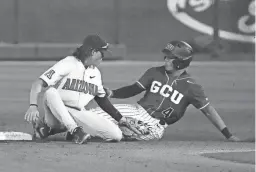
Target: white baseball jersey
[76,84]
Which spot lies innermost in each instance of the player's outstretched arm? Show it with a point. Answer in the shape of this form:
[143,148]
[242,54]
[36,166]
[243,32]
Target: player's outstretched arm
[131,90]
[124,92]
[107,106]
[210,112]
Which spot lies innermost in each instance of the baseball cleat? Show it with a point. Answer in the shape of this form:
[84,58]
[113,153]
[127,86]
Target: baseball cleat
[69,136]
[79,136]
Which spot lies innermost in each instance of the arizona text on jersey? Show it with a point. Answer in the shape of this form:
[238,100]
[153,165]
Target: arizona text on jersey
[78,86]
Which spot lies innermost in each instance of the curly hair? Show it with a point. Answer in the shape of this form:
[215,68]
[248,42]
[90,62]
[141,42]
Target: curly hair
[82,52]
[90,43]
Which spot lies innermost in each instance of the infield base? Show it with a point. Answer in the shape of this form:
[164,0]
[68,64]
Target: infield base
[12,135]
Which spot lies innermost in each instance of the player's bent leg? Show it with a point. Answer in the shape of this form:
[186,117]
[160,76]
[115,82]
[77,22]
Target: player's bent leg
[156,131]
[127,110]
[50,119]
[58,109]
[138,112]
[56,114]
[97,125]
[48,124]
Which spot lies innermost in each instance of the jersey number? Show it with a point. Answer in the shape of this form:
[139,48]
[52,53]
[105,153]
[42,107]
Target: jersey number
[167,112]
[49,74]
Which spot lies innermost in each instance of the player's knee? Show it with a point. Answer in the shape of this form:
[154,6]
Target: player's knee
[116,135]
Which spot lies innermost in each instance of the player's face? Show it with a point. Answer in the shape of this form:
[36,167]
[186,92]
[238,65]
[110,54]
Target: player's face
[168,63]
[95,59]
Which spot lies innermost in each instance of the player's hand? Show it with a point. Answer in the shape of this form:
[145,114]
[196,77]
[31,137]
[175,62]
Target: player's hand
[109,92]
[32,114]
[234,139]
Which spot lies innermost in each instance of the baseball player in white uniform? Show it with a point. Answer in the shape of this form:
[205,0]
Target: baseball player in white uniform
[69,86]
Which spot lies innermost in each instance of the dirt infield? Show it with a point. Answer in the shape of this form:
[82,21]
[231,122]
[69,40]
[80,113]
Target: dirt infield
[243,157]
[230,87]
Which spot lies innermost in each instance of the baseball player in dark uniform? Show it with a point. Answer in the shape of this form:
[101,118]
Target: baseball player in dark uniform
[169,90]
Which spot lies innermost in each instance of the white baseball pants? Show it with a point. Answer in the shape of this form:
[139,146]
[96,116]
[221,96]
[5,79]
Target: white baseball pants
[139,113]
[57,115]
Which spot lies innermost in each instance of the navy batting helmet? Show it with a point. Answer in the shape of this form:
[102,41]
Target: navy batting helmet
[181,52]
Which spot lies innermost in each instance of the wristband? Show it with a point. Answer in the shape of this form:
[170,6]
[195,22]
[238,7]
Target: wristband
[226,133]
[118,116]
[33,105]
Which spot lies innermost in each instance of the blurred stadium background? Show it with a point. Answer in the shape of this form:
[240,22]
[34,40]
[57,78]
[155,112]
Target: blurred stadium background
[137,30]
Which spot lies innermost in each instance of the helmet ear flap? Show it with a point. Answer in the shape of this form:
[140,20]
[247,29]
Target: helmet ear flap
[176,64]
[181,64]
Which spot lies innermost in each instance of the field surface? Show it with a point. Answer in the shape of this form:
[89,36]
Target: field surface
[193,144]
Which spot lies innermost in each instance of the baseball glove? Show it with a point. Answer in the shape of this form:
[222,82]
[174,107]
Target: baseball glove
[137,126]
